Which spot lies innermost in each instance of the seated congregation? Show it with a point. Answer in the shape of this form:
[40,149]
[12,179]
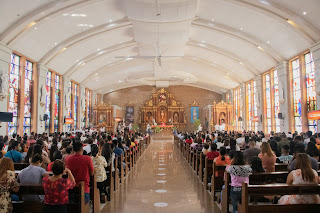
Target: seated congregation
[65,172]
[251,171]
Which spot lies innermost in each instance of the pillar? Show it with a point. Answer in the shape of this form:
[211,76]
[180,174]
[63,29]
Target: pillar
[282,69]
[5,56]
[315,50]
[243,106]
[66,101]
[259,103]
[82,108]
[42,74]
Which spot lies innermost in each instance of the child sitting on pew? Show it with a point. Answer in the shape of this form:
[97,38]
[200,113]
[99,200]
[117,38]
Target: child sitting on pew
[239,173]
[222,160]
[256,165]
[285,157]
[303,175]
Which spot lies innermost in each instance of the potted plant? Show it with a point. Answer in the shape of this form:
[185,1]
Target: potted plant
[196,123]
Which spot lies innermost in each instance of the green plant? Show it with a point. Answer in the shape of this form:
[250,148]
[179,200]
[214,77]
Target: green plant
[196,123]
[135,127]
[157,129]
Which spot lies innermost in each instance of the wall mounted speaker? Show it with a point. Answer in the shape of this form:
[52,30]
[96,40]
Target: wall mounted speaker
[45,117]
[239,119]
[280,116]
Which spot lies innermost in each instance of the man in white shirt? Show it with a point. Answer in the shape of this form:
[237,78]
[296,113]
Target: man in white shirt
[240,139]
[308,136]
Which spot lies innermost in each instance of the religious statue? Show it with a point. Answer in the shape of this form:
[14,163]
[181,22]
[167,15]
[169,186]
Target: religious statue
[102,119]
[175,118]
[162,115]
[4,82]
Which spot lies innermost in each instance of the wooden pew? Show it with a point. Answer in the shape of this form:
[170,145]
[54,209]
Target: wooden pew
[94,194]
[37,207]
[259,178]
[20,166]
[216,182]
[122,169]
[197,162]
[201,166]
[116,174]
[110,182]
[207,172]
[256,190]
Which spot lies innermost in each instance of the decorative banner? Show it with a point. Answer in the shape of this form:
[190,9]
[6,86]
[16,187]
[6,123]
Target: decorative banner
[255,119]
[314,115]
[194,113]
[68,120]
[130,114]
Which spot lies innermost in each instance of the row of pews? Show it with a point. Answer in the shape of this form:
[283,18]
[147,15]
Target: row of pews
[260,184]
[114,180]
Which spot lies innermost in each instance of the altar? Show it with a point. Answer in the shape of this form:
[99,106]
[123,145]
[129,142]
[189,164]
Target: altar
[219,116]
[162,110]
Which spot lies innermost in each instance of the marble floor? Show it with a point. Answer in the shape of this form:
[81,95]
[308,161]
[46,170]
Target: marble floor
[162,181]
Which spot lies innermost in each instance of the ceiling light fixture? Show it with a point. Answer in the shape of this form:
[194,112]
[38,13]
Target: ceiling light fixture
[304,13]
[260,48]
[268,42]
[240,63]
[241,28]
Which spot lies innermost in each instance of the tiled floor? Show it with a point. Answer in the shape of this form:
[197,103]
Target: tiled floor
[161,178]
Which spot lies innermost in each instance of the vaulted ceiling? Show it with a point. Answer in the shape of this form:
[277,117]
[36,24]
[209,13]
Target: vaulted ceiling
[212,44]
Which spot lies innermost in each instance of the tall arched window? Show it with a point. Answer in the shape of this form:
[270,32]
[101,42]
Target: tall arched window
[296,95]
[237,108]
[75,105]
[57,102]
[276,99]
[88,107]
[69,106]
[255,108]
[268,102]
[311,90]
[27,97]
[14,92]
[249,100]
[48,101]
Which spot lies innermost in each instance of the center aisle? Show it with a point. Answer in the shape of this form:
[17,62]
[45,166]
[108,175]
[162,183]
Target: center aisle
[162,181]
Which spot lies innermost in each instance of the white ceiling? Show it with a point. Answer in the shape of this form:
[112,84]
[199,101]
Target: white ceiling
[217,44]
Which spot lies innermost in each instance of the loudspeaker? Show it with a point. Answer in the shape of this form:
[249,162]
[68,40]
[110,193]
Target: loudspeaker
[84,119]
[6,116]
[45,117]
[239,119]
[280,116]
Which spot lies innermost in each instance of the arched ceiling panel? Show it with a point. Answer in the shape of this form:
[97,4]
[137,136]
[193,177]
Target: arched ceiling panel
[94,44]
[85,70]
[13,10]
[257,57]
[281,36]
[43,36]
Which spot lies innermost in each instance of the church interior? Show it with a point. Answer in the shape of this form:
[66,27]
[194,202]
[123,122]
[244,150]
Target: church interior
[159,105]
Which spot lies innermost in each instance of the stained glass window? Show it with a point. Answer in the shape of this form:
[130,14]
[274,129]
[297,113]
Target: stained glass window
[27,97]
[255,108]
[311,90]
[276,99]
[48,100]
[14,93]
[268,103]
[56,103]
[296,95]
[249,106]
[240,108]
[75,105]
[88,108]
[69,106]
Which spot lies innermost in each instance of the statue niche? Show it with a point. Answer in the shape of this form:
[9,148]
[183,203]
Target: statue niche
[163,109]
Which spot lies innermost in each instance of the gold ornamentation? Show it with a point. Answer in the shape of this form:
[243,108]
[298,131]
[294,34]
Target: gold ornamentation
[194,104]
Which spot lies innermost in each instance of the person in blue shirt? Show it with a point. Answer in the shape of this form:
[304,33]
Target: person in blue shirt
[14,153]
[117,150]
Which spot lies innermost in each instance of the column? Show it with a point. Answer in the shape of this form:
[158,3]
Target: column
[65,101]
[282,69]
[42,74]
[259,103]
[315,50]
[5,56]
[230,92]
[243,106]
[82,108]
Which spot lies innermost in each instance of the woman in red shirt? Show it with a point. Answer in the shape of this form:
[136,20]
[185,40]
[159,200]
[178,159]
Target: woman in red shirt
[56,188]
